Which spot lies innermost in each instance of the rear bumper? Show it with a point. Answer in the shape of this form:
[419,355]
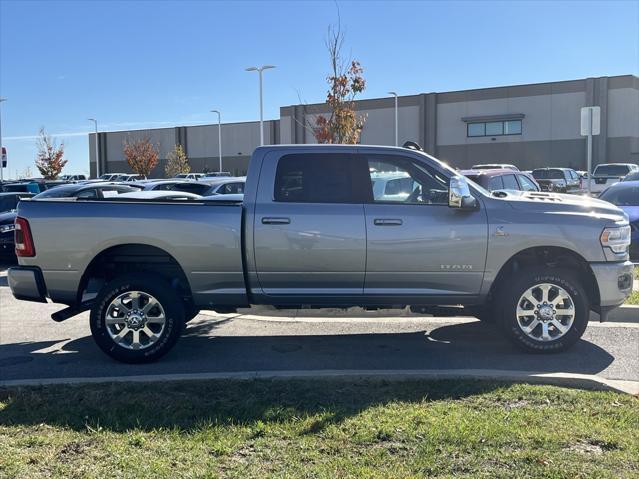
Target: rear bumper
[27,283]
[614,281]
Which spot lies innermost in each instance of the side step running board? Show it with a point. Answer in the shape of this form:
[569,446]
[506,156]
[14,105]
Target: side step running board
[71,311]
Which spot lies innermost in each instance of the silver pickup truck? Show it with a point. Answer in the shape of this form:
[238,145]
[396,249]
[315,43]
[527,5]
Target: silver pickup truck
[316,229]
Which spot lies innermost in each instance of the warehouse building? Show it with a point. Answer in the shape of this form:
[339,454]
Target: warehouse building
[526,125]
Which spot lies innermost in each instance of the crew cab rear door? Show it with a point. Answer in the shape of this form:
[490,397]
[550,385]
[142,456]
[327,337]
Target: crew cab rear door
[309,235]
[417,245]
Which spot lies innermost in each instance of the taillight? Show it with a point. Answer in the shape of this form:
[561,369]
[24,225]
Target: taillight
[23,238]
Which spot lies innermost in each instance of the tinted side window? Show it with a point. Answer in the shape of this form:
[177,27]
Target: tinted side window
[510,182]
[191,188]
[526,183]
[495,183]
[232,188]
[87,194]
[316,178]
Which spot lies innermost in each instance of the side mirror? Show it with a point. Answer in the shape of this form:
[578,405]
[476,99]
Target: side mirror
[459,194]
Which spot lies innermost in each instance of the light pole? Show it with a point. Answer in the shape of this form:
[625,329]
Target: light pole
[97,150]
[396,118]
[260,70]
[219,136]
[1,162]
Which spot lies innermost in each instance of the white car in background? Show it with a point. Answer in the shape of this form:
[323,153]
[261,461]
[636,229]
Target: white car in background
[495,166]
[189,176]
[607,174]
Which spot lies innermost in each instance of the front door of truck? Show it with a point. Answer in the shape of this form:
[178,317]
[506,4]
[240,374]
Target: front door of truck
[417,245]
[309,232]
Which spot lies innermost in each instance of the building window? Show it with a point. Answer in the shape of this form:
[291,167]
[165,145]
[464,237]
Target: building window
[477,129]
[494,128]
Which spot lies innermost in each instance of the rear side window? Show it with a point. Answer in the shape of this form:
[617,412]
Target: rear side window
[495,183]
[92,193]
[316,178]
[231,189]
[510,182]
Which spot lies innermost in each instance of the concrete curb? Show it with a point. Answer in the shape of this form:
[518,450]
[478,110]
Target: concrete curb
[628,313]
[581,381]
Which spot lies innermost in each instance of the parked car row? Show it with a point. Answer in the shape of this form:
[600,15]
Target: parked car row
[503,176]
[225,188]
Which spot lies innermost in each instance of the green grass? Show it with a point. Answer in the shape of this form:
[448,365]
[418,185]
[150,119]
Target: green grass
[634,296]
[318,429]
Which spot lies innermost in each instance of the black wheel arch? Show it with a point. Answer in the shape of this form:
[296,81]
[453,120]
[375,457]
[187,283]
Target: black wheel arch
[134,257]
[551,257]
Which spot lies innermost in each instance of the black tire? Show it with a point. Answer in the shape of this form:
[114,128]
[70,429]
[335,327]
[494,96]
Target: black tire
[162,292]
[515,287]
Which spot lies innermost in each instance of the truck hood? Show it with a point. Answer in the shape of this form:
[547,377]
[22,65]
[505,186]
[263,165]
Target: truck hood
[556,203]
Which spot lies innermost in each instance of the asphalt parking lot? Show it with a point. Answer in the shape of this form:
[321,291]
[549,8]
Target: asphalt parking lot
[34,347]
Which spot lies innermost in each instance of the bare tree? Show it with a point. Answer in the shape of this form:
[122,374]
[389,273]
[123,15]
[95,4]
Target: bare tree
[342,124]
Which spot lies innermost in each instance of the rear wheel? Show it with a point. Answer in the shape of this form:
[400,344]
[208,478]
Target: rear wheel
[137,318]
[544,310]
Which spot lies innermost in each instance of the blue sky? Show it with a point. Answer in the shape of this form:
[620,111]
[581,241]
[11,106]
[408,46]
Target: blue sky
[164,63]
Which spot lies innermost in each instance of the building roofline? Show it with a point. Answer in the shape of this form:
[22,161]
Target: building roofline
[472,90]
[183,126]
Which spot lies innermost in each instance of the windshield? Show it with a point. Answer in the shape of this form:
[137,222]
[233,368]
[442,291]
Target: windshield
[611,170]
[59,192]
[548,174]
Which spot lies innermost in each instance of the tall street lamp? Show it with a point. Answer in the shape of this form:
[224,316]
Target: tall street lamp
[219,136]
[1,162]
[396,118]
[97,151]
[260,70]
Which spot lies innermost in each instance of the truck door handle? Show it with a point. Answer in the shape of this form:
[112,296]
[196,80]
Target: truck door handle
[387,222]
[276,221]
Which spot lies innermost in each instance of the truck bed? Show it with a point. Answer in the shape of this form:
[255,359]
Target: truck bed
[203,237]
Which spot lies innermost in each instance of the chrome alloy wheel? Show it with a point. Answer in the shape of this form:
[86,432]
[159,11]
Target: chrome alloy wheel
[135,320]
[545,312]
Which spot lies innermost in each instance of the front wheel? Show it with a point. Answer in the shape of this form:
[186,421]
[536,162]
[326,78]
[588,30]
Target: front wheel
[544,310]
[137,318]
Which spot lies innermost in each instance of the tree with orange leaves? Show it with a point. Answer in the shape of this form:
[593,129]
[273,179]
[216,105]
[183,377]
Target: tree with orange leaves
[342,125]
[50,160]
[141,155]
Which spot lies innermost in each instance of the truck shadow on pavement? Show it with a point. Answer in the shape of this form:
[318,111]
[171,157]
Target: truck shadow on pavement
[471,345]
[119,407]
